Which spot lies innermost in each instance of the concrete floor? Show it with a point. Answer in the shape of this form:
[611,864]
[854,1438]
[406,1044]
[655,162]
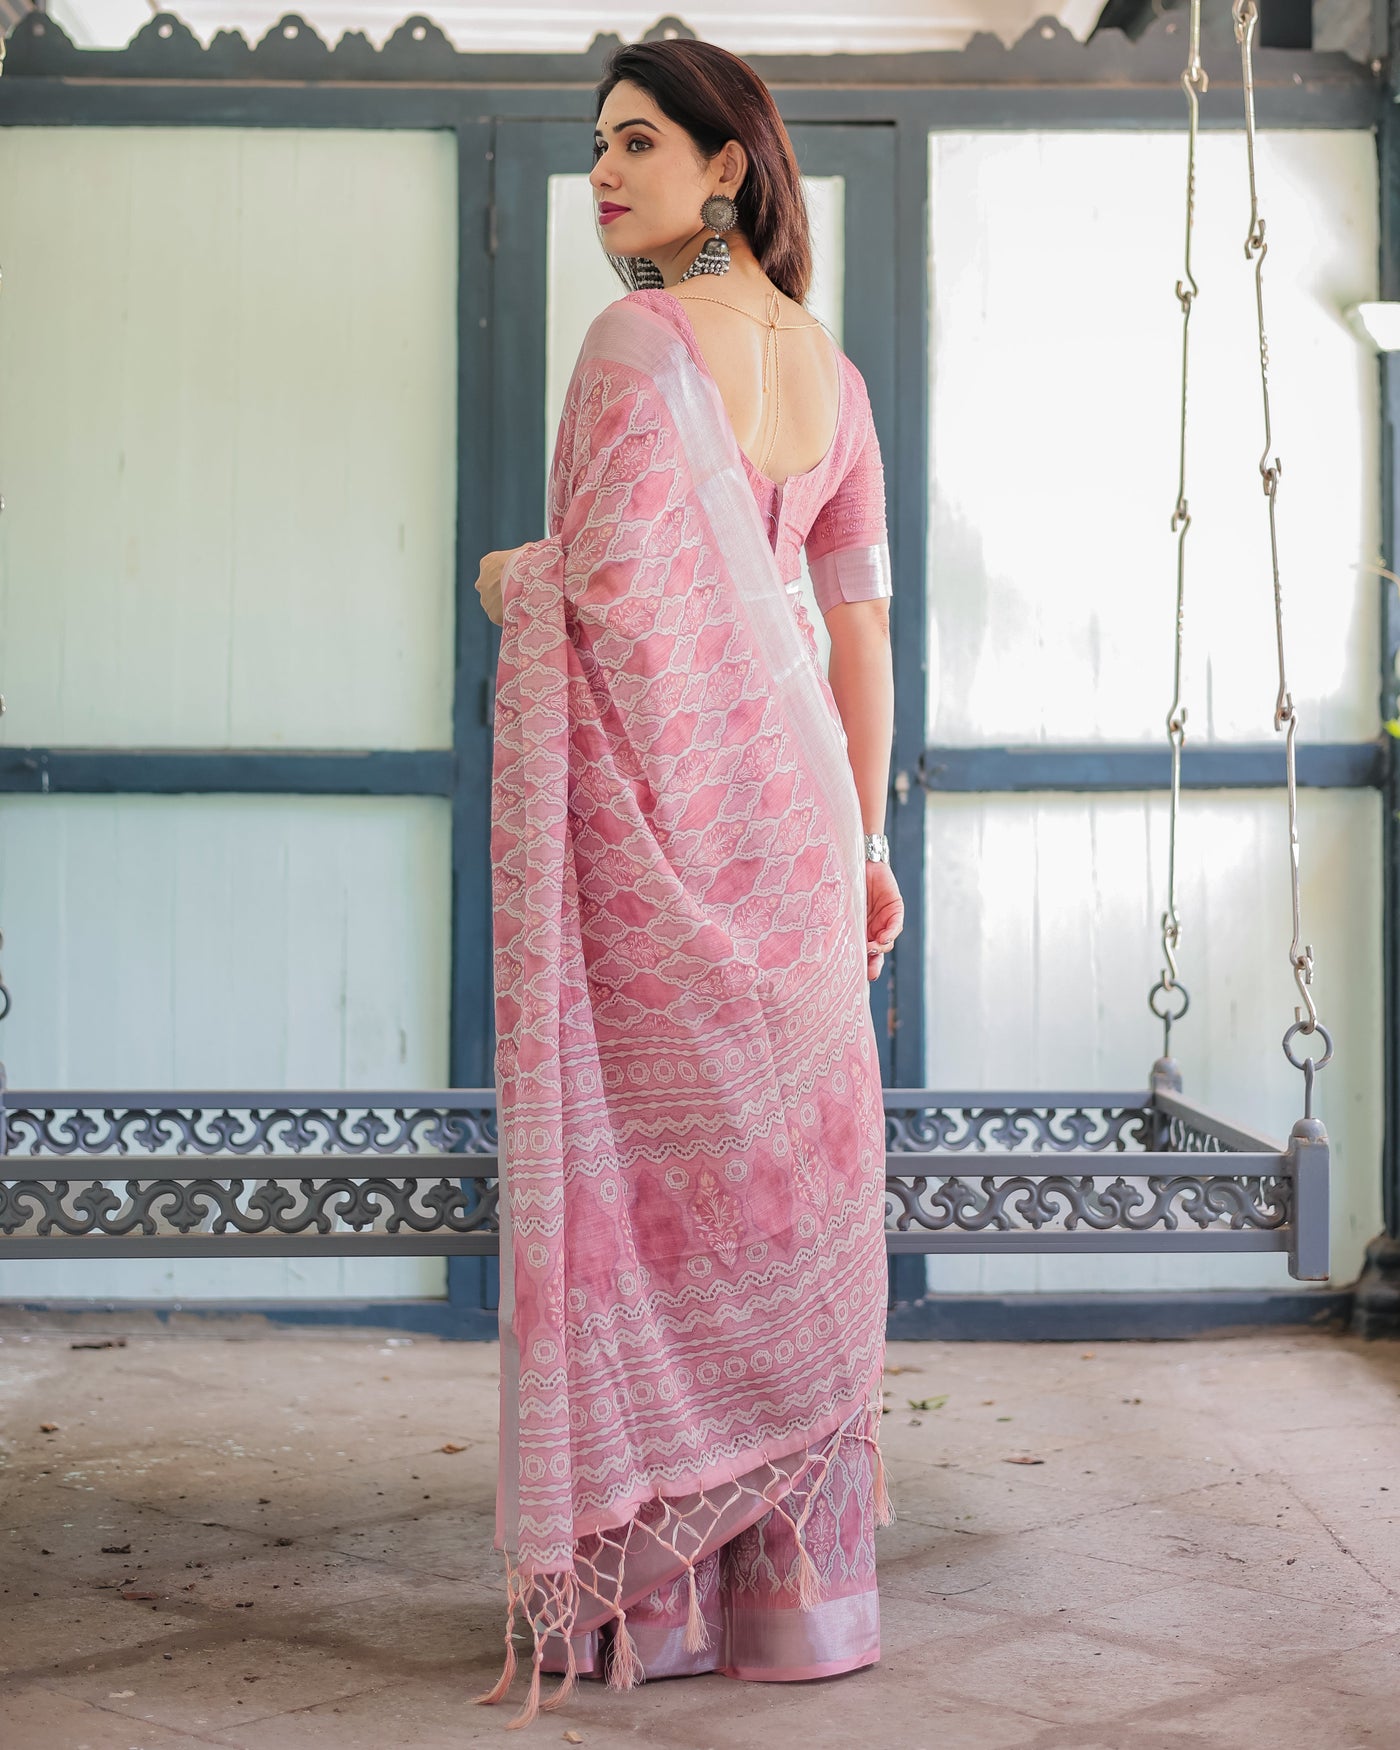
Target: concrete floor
[221,1533]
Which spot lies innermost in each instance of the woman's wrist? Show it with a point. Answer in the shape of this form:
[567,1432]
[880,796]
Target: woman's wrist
[877,848]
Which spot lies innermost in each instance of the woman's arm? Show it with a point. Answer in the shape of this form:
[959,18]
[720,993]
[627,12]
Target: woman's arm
[861,675]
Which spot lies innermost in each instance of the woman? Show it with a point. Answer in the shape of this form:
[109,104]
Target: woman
[691,892]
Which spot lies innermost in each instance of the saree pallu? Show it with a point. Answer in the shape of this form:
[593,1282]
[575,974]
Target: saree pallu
[690,1122]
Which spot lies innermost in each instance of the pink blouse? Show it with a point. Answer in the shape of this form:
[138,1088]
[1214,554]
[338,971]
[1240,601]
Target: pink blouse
[836,509]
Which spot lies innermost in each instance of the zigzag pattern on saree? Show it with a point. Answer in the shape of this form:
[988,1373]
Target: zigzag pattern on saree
[692,1134]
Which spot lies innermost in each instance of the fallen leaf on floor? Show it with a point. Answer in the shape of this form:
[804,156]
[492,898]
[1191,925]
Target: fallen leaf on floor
[1023,1460]
[48,1427]
[1088,1355]
[116,1549]
[928,1403]
[141,1597]
[104,1343]
[451,1446]
[283,1543]
[572,1738]
[1003,1418]
[988,1400]
[120,1694]
[904,1367]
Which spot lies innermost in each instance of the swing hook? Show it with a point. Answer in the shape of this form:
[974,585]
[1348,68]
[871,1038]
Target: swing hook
[1165,985]
[1309,1065]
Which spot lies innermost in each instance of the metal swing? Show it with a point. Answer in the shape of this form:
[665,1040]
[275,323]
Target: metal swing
[182,1173]
[1276,1195]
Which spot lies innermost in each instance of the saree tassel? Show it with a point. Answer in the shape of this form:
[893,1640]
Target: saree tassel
[697,1633]
[809,1591]
[625,1668]
[809,1587]
[884,1507]
[569,1683]
[532,1700]
[503,1682]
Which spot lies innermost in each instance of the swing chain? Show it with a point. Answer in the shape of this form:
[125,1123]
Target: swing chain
[1194,83]
[1300,957]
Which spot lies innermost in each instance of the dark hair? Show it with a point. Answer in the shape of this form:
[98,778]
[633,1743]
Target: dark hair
[717,97]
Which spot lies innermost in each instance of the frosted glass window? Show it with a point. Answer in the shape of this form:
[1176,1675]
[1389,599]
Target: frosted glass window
[239,942]
[226,941]
[1054,397]
[228,438]
[1044,940]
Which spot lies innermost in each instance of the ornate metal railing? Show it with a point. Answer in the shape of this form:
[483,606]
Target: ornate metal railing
[257,1174]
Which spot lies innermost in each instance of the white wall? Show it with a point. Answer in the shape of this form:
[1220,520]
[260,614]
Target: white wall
[228,449]
[228,428]
[1053,475]
[296,563]
[225,942]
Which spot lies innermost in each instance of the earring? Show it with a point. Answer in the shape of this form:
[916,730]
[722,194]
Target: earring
[720,214]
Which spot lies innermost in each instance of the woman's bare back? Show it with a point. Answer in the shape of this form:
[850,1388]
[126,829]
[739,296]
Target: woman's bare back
[789,429]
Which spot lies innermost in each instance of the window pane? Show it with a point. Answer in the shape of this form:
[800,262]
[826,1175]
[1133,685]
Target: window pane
[1044,940]
[1055,404]
[227,436]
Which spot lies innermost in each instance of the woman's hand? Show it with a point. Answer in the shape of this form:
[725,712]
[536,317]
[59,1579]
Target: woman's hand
[488,581]
[884,916]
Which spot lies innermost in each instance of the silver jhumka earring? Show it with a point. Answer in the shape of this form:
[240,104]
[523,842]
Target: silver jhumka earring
[720,214]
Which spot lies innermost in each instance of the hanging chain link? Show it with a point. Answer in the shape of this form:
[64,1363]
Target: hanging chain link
[1246,17]
[1194,83]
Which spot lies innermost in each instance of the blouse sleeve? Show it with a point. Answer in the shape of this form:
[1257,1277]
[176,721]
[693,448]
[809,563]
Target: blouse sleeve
[848,553]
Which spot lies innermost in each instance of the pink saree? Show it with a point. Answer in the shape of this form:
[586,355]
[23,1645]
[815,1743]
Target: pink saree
[691,1128]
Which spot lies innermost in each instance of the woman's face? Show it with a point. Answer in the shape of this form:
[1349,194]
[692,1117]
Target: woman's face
[649,165]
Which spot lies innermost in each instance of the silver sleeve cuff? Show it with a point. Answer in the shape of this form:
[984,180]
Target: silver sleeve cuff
[854,574]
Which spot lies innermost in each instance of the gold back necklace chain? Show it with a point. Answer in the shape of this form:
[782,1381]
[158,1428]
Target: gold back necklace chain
[772,308]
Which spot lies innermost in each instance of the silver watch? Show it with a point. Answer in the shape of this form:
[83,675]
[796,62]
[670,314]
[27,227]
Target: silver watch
[877,848]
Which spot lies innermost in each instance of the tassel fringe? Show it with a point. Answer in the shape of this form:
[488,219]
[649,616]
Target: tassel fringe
[569,1683]
[532,1700]
[550,1602]
[884,1507]
[809,1586]
[557,1612]
[697,1632]
[625,1668]
[503,1682]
